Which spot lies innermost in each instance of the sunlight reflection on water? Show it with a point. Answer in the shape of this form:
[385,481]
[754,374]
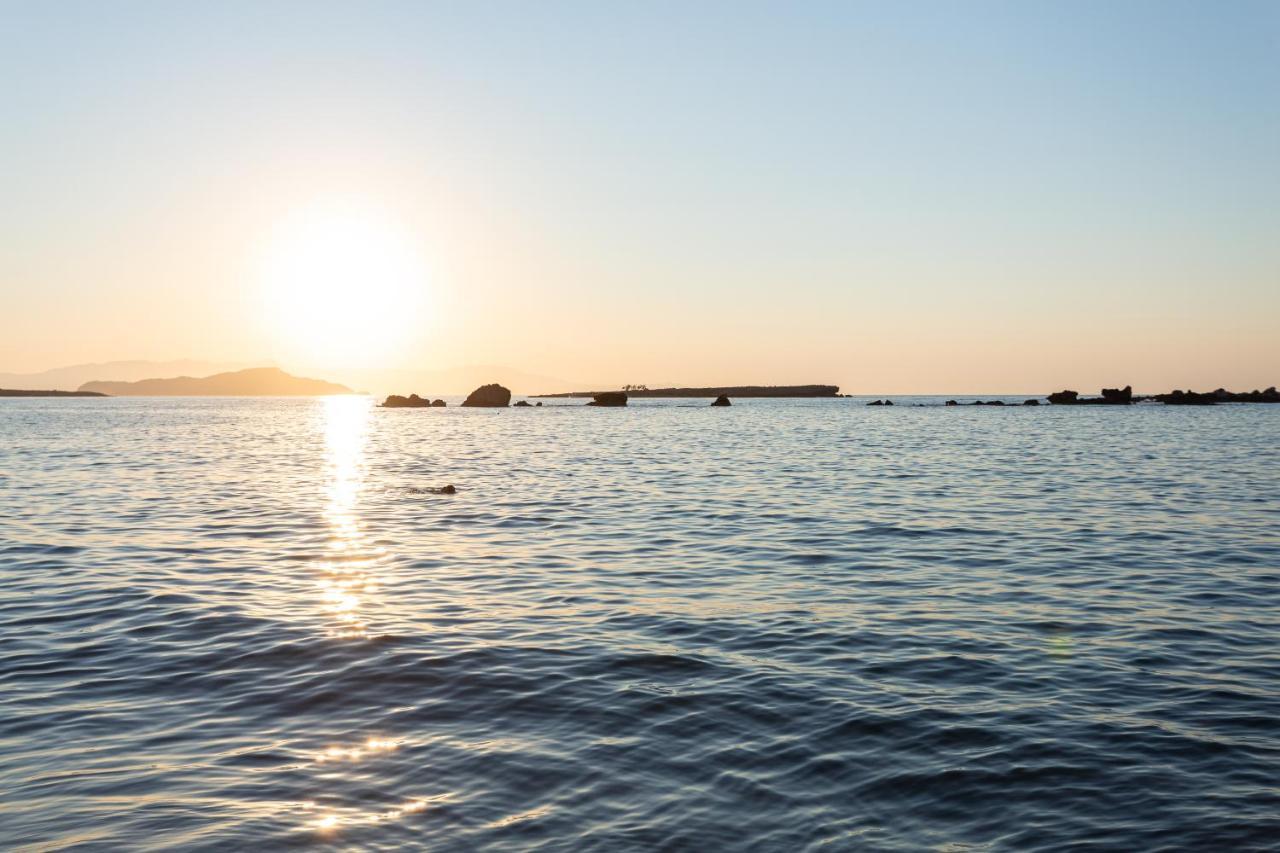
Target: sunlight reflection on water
[791,625]
[348,573]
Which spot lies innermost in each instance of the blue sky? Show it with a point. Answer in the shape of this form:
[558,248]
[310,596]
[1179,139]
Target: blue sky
[849,192]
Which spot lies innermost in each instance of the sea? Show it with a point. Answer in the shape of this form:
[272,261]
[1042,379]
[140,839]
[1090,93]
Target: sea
[786,625]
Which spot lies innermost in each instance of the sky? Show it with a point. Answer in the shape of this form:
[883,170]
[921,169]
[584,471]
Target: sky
[896,197]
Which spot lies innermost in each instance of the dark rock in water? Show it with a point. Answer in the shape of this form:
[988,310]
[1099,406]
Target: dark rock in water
[609,398]
[1221,395]
[888,402]
[438,404]
[522,403]
[1110,397]
[413,401]
[951,403]
[876,403]
[1187,398]
[539,403]
[488,396]
[448,490]
[1118,396]
[722,400]
[1030,402]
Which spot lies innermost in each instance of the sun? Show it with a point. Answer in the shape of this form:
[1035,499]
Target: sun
[342,286]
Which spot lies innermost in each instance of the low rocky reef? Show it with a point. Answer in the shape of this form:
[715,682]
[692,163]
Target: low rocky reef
[719,391]
[494,395]
[413,401]
[1110,397]
[1191,398]
[1125,396]
[22,392]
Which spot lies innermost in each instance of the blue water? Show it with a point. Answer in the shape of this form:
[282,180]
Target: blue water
[787,625]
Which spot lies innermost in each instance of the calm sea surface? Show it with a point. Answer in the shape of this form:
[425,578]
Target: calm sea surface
[787,625]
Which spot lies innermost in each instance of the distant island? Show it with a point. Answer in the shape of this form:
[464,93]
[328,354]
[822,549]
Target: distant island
[719,391]
[254,382]
[10,392]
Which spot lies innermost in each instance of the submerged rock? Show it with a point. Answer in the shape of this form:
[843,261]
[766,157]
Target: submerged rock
[413,401]
[522,404]
[722,400]
[1030,402]
[489,396]
[432,490]
[539,403]
[438,404]
[609,398]
[951,403]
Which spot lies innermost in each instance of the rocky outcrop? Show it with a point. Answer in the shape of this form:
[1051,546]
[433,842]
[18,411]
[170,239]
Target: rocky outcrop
[609,398]
[524,404]
[413,401]
[1030,402]
[438,404]
[880,403]
[951,403]
[1221,395]
[1118,396]
[1110,397]
[492,396]
[722,400]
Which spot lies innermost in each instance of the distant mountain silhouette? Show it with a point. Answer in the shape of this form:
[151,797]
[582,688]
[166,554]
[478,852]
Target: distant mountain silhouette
[254,382]
[75,375]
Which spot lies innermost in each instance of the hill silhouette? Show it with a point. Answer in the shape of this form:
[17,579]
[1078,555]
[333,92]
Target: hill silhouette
[75,375]
[254,382]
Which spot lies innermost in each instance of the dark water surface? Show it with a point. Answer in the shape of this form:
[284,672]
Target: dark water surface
[787,625]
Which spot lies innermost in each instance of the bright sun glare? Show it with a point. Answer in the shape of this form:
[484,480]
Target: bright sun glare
[342,287]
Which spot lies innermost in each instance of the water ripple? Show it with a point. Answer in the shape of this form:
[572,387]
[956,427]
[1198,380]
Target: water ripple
[803,626]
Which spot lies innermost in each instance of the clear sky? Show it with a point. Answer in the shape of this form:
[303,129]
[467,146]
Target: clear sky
[895,197]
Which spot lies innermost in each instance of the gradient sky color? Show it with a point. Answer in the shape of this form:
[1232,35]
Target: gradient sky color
[895,197]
